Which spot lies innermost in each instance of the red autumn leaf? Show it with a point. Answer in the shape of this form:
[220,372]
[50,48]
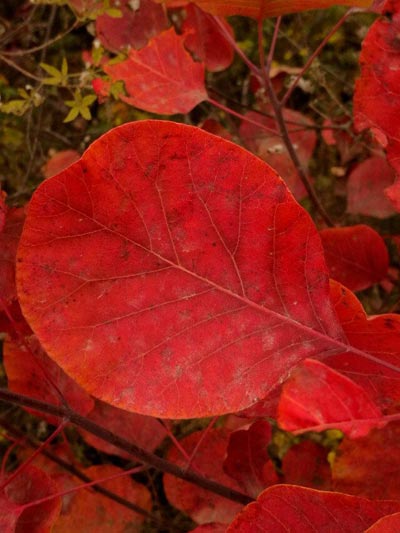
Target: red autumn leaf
[213,126]
[30,371]
[375,104]
[9,239]
[88,511]
[59,161]
[201,505]
[316,398]
[205,39]
[377,335]
[212,527]
[270,146]
[387,524]
[3,209]
[263,8]
[369,466]
[134,28]
[284,508]
[162,77]
[199,274]
[365,188]
[246,455]
[30,485]
[356,256]
[147,432]
[306,464]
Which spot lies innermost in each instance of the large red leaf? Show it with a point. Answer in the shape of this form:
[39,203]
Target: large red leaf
[30,485]
[161,77]
[169,264]
[271,148]
[376,97]
[172,251]
[134,28]
[370,466]
[356,255]
[377,335]
[365,188]
[206,39]
[265,8]
[9,239]
[200,504]
[317,398]
[285,508]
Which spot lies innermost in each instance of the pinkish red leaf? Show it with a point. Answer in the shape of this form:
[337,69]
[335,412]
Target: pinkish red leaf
[370,466]
[246,456]
[199,273]
[365,188]
[9,239]
[59,161]
[147,432]
[30,485]
[87,511]
[30,371]
[377,335]
[201,505]
[205,39]
[162,77]
[356,256]
[270,147]
[387,524]
[287,508]
[134,28]
[316,398]
[263,8]
[376,104]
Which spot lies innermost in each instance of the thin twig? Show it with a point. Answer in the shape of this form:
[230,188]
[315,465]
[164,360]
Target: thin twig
[283,127]
[142,455]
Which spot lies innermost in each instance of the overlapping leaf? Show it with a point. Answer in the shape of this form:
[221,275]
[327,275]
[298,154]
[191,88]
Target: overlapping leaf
[365,188]
[168,264]
[9,238]
[369,466]
[263,8]
[376,97]
[147,432]
[356,255]
[134,28]
[317,398]
[27,487]
[161,77]
[378,335]
[206,39]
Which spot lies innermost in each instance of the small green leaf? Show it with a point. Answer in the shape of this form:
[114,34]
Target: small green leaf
[74,112]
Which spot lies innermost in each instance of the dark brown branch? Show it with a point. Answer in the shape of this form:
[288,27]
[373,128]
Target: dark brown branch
[139,453]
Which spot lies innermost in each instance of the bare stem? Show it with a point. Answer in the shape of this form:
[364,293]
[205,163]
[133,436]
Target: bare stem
[265,68]
[139,453]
